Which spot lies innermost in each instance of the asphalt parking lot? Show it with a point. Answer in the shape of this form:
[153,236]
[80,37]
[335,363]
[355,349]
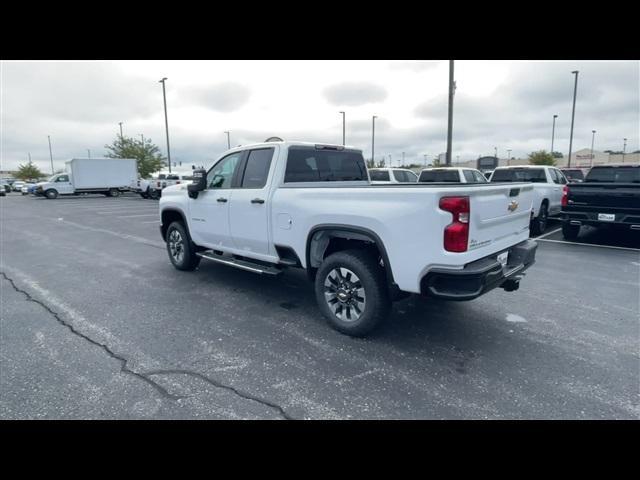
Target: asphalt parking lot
[96,323]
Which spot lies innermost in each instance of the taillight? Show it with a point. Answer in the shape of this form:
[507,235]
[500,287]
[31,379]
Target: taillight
[456,234]
[178,182]
[565,195]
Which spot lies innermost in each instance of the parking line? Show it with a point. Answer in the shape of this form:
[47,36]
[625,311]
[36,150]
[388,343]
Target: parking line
[590,245]
[550,233]
[143,215]
[154,221]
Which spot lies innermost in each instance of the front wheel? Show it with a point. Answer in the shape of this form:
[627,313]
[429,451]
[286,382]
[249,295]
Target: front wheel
[51,194]
[351,292]
[180,249]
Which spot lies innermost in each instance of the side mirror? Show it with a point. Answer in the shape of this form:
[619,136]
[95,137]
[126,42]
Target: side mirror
[199,182]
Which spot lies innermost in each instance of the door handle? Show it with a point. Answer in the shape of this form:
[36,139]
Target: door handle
[221,200]
[257,200]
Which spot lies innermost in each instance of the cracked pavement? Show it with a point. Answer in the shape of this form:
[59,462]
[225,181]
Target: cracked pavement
[96,323]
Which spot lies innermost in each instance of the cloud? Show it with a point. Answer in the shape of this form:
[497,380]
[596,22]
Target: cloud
[414,66]
[354,93]
[223,97]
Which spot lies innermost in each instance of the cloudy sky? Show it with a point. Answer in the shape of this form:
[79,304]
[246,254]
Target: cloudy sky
[504,104]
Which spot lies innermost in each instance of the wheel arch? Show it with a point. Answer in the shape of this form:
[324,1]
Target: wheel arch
[317,244]
[169,215]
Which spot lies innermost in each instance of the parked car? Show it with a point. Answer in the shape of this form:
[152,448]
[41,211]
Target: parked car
[25,188]
[167,179]
[108,176]
[269,206]
[547,182]
[451,174]
[608,197]
[5,188]
[141,187]
[573,175]
[392,175]
[17,185]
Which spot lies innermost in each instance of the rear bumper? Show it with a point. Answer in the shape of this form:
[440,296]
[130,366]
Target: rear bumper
[629,220]
[481,276]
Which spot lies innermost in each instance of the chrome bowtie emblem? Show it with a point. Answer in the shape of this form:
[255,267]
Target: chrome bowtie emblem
[512,206]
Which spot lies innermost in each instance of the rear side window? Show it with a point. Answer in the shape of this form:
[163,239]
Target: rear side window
[614,175]
[573,174]
[311,165]
[379,175]
[468,176]
[534,175]
[478,176]
[440,176]
[256,170]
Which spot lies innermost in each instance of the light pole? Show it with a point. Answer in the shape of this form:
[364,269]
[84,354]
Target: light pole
[166,121]
[573,114]
[624,149]
[495,149]
[228,140]
[508,156]
[120,123]
[343,128]
[593,136]
[89,152]
[553,131]
[373,136]
[450,125]
[402,159]
[50,153]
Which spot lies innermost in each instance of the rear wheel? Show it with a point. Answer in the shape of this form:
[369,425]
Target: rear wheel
[180,249]
[51,194]
[114,192]
[351,292]
[539,223]
[570,232]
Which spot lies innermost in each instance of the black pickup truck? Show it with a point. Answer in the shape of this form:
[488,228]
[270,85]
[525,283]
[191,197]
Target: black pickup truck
[609,196]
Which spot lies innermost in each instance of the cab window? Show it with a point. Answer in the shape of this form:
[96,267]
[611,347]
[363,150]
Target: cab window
[63,178]
[221,174]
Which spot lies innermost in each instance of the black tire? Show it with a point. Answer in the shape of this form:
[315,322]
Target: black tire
[345,311]
[51,194]
[180,241]
[114,192]
[539,224]
[570,232]
[154,195]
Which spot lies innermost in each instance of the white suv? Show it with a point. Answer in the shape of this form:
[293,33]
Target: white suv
[548,183]
[392,175]
[451,174]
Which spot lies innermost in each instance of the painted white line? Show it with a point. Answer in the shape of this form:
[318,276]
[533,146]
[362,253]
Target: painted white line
[590,245]
[144,215]
[124,210]
[154,221]
[550,233]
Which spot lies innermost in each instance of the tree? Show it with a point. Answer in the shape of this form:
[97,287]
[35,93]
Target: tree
[557,155]
[541,157]
[436,162]
[148,155]
[371,163]
[381,163]
[28,172]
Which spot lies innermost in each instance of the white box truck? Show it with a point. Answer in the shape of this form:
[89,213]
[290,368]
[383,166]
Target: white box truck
[108,176]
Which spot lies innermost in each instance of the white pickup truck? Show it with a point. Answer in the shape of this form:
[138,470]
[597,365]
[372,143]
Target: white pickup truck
[548,183]
[269,206]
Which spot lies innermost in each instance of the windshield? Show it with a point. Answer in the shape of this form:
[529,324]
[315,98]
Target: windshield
[614,175]
[52,178]
[379,175]
[439,176]
[534,175]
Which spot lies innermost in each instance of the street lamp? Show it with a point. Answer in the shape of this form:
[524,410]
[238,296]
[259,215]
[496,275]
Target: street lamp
[142,139]
[624,149]
[343,127]
[120,123]
[50,153]
[166,121]
[508,156]
[593,136]
[553,131]
[403,159]
[452,88]
[89,152]
[496,151]
[573,114]
[228,140]
[373,136]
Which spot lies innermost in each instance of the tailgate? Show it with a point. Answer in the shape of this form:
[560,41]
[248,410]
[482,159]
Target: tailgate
[610,196]
[500,215]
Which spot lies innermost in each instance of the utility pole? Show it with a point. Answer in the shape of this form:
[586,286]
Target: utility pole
[495,149]
[120,123]
[50,153]
[573,113]
[29,153]
[403,159]
[228,140]
[553,131]
[89,152]
[343,128]
[508,156]
[166,121]
[373,136]
[593,137]
[624,149]
[452,88]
